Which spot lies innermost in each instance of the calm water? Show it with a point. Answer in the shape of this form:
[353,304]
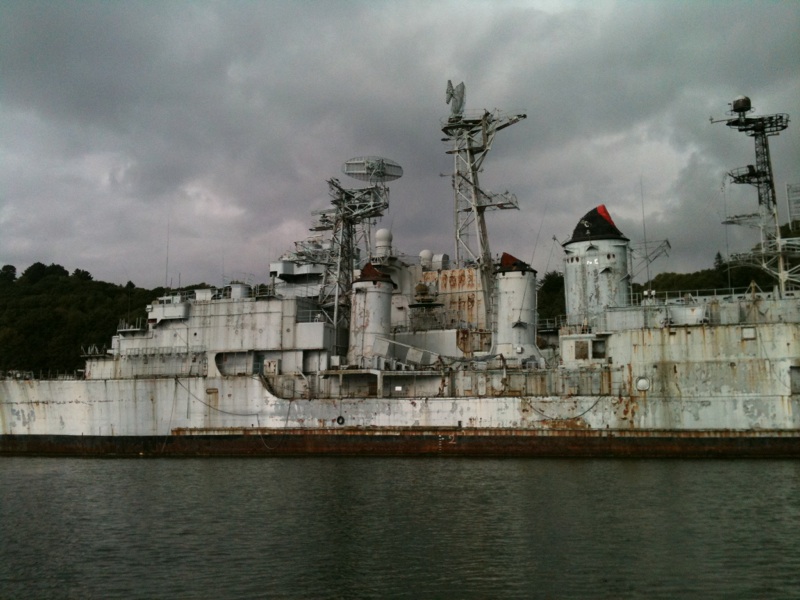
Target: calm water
[397,528]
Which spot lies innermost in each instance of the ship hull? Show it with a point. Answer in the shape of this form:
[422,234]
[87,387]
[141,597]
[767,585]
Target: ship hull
[240,416]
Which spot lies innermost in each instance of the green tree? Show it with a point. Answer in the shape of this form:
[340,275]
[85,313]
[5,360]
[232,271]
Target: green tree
[46,316]
[550,298]
[8,274]
[719,263]
[82,275]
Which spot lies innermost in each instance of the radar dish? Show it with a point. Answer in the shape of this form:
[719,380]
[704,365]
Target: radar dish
[373,169]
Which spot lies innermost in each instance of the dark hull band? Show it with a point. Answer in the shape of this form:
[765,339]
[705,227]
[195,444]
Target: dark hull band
[425,442]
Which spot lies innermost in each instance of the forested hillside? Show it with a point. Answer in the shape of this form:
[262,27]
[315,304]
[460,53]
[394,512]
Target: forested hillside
[48,314]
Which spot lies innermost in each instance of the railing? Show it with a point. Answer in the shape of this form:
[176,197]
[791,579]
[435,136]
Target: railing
[701,295]
[552,323]
[140,324]
[43,375]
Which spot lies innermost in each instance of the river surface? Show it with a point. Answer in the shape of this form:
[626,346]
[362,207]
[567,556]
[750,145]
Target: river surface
[398,528]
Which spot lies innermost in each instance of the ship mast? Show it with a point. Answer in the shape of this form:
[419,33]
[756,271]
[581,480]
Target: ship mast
[773,252]
[470,138]
[349,221]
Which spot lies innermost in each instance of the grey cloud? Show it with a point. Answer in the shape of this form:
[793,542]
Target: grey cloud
[227,118]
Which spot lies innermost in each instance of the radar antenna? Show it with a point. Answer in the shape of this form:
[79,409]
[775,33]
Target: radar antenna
[456,97]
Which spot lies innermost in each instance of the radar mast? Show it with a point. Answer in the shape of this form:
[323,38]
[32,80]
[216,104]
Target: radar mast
[773,252]
[349,221]
[470,137]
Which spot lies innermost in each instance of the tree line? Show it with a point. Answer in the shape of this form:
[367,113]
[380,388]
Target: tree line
[47,314]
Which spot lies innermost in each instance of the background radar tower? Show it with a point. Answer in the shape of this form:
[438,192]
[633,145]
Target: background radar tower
[349,221]
[773,251]
[470,138]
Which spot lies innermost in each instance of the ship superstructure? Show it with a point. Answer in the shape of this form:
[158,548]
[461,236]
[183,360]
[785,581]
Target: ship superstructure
[355,348]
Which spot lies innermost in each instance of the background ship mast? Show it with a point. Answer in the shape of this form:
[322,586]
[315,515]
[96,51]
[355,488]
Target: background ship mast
[470,139]
[773,252]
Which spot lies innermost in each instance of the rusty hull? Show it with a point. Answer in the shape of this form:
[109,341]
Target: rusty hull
[417,442]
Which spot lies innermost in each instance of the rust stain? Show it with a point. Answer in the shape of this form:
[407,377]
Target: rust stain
[569,424]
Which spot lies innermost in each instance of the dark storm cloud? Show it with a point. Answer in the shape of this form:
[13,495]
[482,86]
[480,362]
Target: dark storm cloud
[212,126]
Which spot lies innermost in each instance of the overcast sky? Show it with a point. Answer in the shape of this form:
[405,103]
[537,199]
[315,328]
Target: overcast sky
[189,141]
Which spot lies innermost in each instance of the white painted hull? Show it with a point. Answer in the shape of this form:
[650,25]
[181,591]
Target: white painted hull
[164,406]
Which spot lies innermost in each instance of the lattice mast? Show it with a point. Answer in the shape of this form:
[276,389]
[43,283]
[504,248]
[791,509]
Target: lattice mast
[349,221]
[773,251]
[470,138]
